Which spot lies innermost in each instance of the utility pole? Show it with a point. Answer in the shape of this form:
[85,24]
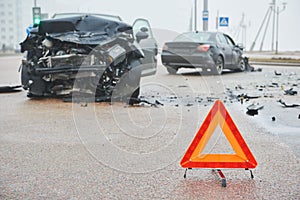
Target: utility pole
[261,26]
[264,35]
[217,21]
[277,27]
[205,15]
[195,19]
[273,5]
[35,3]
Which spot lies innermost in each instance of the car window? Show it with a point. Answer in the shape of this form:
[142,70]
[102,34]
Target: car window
[230,40]
[142,23]
[221,39]
[195,37]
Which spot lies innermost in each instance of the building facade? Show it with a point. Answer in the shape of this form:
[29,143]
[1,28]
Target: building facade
[15,17]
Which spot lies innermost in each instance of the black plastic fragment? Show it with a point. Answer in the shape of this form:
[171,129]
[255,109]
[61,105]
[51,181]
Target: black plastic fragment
[288,105]
[290,92]
[6,89]
[253,109]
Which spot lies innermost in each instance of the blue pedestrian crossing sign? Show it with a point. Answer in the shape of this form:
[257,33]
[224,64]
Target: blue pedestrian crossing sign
[224,21]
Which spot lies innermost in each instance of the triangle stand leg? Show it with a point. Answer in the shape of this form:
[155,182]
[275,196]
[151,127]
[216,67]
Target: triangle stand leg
[184,175]
[185,171]
[251,173]
[222,177]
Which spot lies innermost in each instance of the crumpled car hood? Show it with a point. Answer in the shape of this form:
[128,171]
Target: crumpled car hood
[86,29]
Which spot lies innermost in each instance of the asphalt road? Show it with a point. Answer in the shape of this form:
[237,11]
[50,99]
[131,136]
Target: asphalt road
[55,150]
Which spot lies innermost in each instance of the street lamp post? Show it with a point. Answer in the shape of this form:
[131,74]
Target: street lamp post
[277,26]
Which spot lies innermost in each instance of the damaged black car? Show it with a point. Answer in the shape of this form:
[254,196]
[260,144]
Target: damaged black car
[87,54]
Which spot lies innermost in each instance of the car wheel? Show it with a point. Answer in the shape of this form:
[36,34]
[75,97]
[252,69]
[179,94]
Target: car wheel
[172,70]
[219,66]
[25,77]
[241,65]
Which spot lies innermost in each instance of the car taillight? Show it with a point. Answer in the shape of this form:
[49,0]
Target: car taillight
[165,47]
[203,47]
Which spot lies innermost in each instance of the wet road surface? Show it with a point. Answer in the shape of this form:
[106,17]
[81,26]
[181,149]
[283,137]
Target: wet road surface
[55,150]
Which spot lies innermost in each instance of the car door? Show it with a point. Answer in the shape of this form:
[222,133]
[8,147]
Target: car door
[148,45]
[236,52]
[225,48]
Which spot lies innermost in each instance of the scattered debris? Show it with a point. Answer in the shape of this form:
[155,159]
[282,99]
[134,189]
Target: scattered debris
[253,109]
[239,87]
[277,73]
[6,89]
[290,92]
[182,86]
[189,104]
[299,116]
[273,119]
[249,68]
[268,95]
[211,99]
[288,105]
[158,103]
[247,97]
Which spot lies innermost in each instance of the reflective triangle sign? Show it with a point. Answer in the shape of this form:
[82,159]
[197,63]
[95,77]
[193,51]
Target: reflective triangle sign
[242,158]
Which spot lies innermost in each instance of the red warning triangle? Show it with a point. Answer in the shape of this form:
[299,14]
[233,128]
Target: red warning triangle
[194,158]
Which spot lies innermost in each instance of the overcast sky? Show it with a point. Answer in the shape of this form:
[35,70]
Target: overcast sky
[174,15]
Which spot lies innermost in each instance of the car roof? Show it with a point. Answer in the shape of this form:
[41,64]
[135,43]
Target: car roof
[198,36]
[196,32]
[106,16]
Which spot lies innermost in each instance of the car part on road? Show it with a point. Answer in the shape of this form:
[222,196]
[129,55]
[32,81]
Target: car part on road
[288,105]
[253,109]
[290,92]
[246,97]
[248,67]
[277,73]
[6,89]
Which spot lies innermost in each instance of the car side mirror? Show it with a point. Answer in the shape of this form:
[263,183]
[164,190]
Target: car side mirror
[144,29]
[141,36]
[240,46]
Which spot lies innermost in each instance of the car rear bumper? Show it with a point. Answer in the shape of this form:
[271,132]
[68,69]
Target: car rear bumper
[188,61]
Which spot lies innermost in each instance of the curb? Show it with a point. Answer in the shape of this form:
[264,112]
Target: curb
[276,64]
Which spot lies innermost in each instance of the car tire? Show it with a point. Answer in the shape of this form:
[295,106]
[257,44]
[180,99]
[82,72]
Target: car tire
[242,65]
[172,70]
[25,77]
[219,66]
